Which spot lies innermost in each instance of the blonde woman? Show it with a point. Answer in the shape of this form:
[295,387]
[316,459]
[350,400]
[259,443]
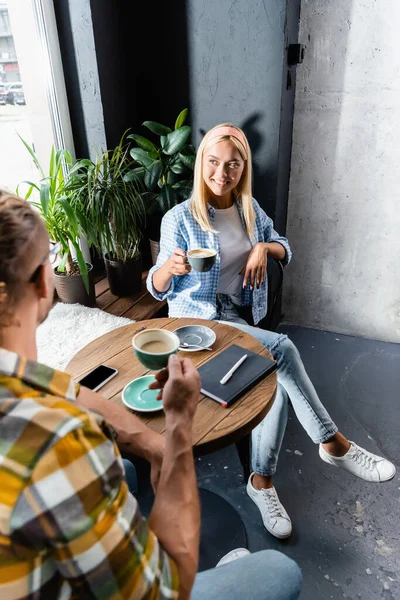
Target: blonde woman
[223,215]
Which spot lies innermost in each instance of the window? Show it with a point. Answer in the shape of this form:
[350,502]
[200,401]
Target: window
[35,107]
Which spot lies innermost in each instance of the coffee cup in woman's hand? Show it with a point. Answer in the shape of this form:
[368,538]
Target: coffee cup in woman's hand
[178,264]
[202,259]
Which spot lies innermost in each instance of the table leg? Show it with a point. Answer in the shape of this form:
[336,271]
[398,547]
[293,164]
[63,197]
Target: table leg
[243,449]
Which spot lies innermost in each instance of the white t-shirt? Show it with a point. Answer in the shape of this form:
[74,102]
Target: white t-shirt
[235,247]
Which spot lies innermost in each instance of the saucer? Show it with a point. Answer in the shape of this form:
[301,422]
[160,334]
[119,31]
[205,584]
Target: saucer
[137,396]
[198,335]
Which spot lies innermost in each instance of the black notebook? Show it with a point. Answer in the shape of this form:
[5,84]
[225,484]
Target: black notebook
[251,371]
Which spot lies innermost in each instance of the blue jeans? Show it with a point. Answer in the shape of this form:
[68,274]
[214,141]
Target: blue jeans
[294,386]
[266,575]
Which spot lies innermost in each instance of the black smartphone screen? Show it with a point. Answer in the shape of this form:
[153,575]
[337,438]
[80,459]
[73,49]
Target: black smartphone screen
[96,377]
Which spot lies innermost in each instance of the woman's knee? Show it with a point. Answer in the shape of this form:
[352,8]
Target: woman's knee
[287,349]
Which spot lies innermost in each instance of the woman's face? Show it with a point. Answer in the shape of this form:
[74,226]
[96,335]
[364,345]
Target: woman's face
[222,168]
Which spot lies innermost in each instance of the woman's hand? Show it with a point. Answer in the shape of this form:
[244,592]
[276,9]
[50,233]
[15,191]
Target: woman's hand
[177,263]
[256,267]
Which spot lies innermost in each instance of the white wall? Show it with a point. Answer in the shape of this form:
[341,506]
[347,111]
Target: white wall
[344,203]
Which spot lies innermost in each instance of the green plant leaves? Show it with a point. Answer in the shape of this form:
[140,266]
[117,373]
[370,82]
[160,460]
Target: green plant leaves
[143,142]
[187,160]
[178,168]
[157,128]
[183,188]
[181,118]
[136,174]
[45,197]
[141,156]
[176,140]
[153,174]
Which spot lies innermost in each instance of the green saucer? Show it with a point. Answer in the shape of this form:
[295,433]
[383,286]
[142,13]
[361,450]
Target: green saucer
[137,396]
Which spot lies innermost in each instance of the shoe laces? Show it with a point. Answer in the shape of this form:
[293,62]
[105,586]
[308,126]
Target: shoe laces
[364,459]
[272,502]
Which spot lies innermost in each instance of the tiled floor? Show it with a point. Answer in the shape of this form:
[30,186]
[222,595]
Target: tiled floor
[345,531]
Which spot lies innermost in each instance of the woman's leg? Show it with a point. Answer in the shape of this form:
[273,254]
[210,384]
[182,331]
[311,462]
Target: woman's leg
[294,379]
[335,449]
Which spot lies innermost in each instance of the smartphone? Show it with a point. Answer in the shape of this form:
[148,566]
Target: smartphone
[98,377]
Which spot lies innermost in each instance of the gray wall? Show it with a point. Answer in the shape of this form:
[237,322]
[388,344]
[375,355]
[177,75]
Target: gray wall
[75,30]
[236,64]
[344,216]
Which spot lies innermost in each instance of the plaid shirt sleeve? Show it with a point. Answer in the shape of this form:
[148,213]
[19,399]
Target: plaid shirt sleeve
[76,508]
[269,233]
[171,238]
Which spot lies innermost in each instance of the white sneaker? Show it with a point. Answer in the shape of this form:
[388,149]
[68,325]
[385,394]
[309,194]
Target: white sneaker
[361,463]
[274,516]
[233,555]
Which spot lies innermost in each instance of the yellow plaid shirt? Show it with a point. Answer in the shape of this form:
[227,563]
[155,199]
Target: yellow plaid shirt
[69,528]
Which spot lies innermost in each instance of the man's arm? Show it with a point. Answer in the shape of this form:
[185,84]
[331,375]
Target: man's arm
[175,518]
[131,434]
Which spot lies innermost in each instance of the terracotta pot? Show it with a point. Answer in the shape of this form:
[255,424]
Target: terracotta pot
[71,289]
[125,278]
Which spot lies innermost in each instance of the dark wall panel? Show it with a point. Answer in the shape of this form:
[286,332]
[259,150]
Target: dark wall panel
[142,62]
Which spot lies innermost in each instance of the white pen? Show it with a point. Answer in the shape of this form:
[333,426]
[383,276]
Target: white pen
[231,371]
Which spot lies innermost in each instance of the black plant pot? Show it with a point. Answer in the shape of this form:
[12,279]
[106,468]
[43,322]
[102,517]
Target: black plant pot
[71,289]
[125,278]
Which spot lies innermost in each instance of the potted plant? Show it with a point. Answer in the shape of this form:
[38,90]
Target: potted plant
[114,207]
[66,222]
[165,171]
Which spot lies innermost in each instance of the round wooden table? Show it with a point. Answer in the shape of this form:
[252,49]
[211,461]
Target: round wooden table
[214,427]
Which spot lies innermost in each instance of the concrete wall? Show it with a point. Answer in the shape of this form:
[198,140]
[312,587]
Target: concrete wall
[75,29]
[344,201]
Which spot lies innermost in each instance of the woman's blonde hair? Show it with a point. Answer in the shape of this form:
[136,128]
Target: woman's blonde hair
[243,191]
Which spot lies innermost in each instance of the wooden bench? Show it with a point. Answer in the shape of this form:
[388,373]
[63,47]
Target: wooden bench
[139,307]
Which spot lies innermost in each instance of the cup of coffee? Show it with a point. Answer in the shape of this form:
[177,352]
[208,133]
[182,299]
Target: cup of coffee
[202,259]
[154,346]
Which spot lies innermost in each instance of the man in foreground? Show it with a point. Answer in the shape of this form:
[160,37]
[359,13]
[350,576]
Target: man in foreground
[69,526]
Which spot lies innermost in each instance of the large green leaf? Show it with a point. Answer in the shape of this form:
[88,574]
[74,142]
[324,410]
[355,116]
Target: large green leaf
[187,160]
[184,188]
[44,197]
[176,140]
[178,168]
[32,186]
[33,155]
[172,178]
[143,142]
[157,128]
[136,174]
[141,156]
[181,118]
[153,174]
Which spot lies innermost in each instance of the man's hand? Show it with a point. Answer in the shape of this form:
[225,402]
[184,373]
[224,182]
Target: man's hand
[256,267]
[180,387]
[177,263]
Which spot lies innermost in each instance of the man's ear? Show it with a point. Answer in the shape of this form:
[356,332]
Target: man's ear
[43,287]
